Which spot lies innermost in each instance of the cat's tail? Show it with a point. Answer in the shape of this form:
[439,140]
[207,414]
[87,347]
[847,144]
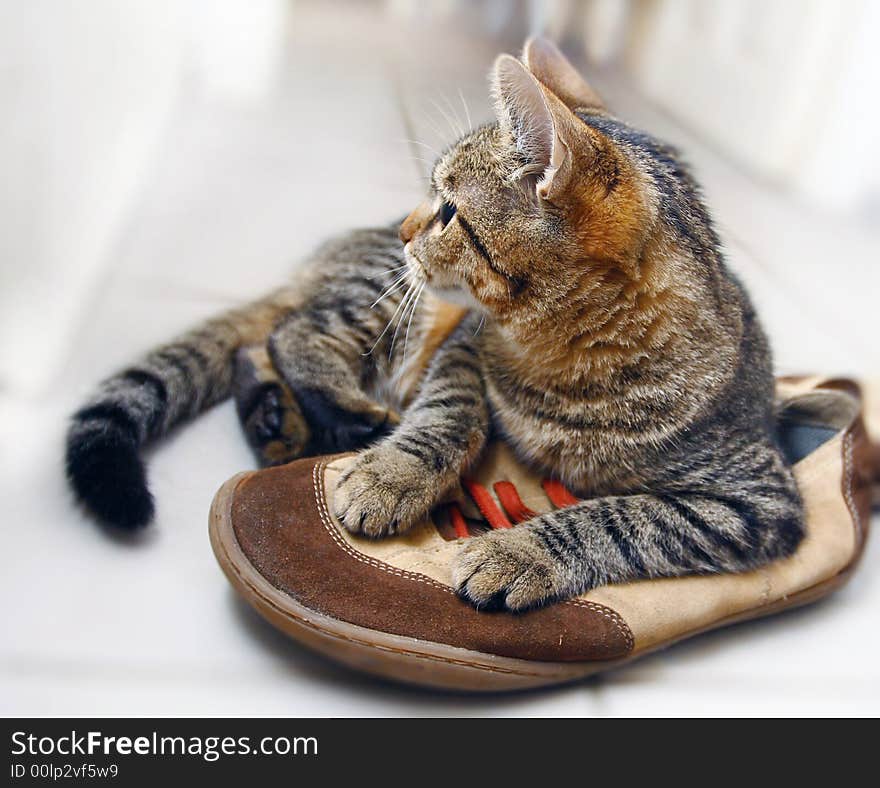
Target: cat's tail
[142,402]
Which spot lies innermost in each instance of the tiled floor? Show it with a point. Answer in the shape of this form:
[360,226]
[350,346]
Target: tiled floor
[99,624]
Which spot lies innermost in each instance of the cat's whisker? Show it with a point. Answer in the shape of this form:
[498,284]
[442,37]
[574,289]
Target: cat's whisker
[387,272]
[406,301]
[467,112]
[422,145]
[428,163]
[431,121]
[458,124]
[407,318]
[412,313]
[389,323]
[395,285]
[390,290]
[455,132]
[459,127]
[398,275]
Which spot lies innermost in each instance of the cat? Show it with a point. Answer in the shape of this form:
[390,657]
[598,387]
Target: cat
[561,288]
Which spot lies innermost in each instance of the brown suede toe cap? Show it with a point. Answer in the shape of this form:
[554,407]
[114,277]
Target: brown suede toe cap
[279,524]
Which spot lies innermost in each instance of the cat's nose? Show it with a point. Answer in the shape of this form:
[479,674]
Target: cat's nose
[407,230]
[418,219]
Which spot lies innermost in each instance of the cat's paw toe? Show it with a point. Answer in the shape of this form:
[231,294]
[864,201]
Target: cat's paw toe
[267,415]
[384,492]
[274,426]
[507,570]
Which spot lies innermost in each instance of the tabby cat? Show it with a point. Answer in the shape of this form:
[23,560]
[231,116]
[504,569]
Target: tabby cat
[597,331]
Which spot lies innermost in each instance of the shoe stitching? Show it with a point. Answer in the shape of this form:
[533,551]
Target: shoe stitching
[373,645]
[848,487]
[320,498]
[608,613]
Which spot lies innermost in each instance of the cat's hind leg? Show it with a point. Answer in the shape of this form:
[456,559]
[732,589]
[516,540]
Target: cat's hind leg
[336,350]
[272,419]
[328,374]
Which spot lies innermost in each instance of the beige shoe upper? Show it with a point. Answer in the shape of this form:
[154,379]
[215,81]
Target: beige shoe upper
[282,522]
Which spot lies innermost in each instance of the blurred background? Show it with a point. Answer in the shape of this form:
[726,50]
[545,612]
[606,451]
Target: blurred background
[163,159]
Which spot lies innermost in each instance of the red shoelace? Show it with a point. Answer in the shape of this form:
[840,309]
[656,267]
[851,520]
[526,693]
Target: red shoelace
[512,509]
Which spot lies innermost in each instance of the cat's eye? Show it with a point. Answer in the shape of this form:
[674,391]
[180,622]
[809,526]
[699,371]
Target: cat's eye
[445,214]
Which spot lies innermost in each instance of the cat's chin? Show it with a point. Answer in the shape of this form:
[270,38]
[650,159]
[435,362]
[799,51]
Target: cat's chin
[459,296]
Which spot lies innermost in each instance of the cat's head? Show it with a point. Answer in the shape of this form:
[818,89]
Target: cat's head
[522,210]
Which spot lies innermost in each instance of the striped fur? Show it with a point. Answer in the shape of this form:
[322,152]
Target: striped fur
[600,334]
[169,385]
[618,354]
[328,311]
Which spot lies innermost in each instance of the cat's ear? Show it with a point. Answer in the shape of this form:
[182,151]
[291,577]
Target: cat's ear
[553,70]
[537,121]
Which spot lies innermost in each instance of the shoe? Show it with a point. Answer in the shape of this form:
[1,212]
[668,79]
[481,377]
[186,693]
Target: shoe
[388,607]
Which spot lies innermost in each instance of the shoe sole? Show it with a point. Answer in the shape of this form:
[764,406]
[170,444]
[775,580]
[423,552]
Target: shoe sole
[422,662]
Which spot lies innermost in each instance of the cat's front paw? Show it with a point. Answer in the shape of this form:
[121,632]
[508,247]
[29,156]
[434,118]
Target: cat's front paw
[507,570]
[385,491]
